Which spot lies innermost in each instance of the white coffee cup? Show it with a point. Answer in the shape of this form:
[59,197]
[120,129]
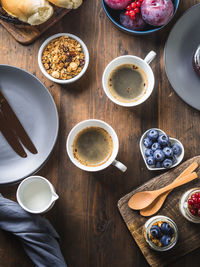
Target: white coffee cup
[141,63]
[36,194]
[111,160]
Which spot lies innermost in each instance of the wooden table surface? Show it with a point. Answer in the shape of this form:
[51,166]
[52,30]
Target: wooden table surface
[86,216]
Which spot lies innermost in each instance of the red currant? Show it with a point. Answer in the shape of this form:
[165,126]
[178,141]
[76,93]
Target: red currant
[190,202]
[128,7]
[136,10]
[138,4]
[127,13]
[193,196]
[196,206]
[132,14]
[195,200]
[133,5]
[197,195]
[193,212]
[141,1]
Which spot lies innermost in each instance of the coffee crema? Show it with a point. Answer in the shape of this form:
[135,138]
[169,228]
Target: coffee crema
[92,146]
[127,83]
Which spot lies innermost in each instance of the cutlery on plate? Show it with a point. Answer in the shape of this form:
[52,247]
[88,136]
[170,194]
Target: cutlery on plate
[13,122]
[143,199]
[158,202]
[11,137]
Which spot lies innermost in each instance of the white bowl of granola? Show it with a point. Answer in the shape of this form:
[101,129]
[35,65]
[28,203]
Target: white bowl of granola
[63,58]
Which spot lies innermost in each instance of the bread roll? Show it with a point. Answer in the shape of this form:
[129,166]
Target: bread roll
[69,4]
[34,12]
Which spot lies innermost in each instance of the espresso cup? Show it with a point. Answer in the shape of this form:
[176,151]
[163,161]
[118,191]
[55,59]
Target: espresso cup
[143,64]
[113,154]
[36,194]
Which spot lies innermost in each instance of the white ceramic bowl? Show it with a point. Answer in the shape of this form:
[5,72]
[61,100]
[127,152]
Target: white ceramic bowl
[85,51]
[172,141]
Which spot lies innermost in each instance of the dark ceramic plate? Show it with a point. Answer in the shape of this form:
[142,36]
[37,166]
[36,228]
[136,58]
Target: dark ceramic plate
[179,50]
[113,15]
[36,110]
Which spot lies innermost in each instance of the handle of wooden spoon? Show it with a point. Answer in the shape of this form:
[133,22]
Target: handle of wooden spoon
[158,202]
[186,179]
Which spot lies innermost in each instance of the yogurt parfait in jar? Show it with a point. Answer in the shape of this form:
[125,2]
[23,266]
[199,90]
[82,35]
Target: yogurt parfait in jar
[161,233]
[190,205]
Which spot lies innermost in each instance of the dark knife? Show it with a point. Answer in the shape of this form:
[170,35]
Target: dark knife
[14,123]
[11,138]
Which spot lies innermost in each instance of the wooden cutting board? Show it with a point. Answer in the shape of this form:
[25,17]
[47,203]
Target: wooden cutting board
[189,233]
[26,34]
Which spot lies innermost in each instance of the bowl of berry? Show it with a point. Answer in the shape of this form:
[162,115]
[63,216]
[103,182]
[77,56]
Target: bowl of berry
[190,205]
[160,151]
[160,233]
[140,17]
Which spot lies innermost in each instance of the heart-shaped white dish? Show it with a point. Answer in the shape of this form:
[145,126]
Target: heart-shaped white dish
[172,141]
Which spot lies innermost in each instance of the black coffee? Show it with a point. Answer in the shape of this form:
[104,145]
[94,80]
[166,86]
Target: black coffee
[92,146]
[127,82]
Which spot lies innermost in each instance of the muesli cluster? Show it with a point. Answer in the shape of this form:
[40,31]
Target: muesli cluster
[63,58]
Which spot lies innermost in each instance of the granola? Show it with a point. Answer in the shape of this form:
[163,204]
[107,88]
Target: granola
[63,58]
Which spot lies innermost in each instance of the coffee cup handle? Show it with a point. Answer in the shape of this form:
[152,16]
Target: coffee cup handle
[119,165]
[150,57]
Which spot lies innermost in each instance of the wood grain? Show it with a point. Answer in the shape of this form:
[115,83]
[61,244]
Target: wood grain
[188,233]
[86,215]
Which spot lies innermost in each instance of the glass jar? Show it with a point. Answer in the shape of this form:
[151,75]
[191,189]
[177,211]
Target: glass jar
[183,205]
[160,219]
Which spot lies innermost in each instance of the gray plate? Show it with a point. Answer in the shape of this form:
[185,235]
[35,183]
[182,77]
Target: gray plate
[36,110]
[179,49]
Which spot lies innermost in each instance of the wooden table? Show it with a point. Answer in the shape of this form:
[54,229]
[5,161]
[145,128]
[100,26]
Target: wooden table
[86,216]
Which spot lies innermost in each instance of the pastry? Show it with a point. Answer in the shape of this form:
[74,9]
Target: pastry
[69,4]
[33,12]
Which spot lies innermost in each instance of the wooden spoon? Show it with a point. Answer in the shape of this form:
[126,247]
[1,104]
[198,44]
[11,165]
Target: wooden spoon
[158,202]
[143,199]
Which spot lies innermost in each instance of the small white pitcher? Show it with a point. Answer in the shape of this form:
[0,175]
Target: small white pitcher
[36,194]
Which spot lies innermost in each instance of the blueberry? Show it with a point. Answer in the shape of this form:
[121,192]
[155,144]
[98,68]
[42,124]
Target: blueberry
[169,144]
[148,152]
[167,163]
[165,240]
[163,140]
[155,146]
[165,228]
[147,142]
[159,155]
[168,152]
[155,231]
[153,134]
[150,160]
[158,164]
[176,149]
[174,160]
